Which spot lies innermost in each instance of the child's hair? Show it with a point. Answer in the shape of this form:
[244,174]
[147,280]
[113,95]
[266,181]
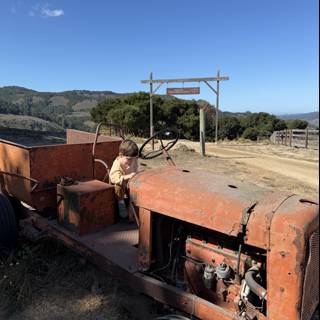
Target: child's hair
[129,148]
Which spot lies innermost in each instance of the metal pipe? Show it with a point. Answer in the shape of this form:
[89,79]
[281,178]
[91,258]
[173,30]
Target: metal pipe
[106,167]
[36,182]
[96,138]
[238,265]
[253,284]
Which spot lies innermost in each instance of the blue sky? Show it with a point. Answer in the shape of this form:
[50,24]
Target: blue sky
[269,48]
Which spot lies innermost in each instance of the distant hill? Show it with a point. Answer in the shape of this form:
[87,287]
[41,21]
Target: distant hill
[17,94]
[28,123]
[311,117]
[69,109]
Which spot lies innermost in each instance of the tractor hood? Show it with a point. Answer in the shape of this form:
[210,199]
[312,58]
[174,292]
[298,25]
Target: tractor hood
[209,200]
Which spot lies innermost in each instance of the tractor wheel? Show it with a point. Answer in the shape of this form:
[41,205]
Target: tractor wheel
[8,224]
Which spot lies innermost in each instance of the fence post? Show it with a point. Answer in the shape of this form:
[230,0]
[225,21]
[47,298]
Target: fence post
[290,139]
[286,137]
[307,138]
[202,132]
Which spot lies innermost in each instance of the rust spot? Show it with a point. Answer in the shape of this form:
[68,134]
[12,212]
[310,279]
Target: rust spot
[308,201]
[283,254]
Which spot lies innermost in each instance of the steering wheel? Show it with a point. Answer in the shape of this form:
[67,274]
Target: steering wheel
[166,134]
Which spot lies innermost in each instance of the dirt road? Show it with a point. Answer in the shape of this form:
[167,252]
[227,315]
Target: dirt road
[287,164]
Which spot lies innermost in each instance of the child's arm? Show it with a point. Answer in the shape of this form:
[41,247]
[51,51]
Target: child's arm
[116,174]
[128,176]
[133,169]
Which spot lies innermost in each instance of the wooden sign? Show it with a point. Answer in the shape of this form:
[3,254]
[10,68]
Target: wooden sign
[190,90]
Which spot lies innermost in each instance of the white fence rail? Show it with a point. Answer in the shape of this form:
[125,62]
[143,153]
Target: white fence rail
[302,138]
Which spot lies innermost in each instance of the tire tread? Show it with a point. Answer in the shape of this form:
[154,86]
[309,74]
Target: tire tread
[8,225]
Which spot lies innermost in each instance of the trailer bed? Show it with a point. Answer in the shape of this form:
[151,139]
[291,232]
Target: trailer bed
[31,174]
[117,244]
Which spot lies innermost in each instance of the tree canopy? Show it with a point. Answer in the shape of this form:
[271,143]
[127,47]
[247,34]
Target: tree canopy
[296,124]
[132,112]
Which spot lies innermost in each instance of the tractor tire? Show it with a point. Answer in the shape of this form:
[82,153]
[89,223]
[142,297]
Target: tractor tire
[8,224]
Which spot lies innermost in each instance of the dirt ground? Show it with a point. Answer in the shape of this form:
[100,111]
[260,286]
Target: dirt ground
[47,281]
[270,166]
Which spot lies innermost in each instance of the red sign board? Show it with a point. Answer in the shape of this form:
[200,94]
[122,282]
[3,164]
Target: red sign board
[190,90]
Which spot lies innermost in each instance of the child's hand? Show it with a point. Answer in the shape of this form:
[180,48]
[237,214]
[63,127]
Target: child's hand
[129,176]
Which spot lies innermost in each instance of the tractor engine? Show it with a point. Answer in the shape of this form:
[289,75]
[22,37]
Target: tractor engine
[210,265]
[228,278]
[249,253]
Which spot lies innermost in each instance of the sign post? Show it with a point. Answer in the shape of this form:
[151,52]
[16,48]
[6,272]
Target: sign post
[190,90]
[151,111]
[202,117]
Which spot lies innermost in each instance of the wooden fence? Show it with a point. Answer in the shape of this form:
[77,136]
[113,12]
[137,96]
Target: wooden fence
[302,138]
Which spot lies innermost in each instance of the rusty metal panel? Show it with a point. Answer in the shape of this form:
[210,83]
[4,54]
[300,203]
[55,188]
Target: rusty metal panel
[189,90]
[294,221]
[107,148]
[202,198]
[119,238]
[101,247]
[85,207]
[49,163]
[259,222]
[14,159]
[145,239]
[77,136]
[311,280]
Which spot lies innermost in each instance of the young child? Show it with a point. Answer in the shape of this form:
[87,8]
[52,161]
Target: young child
[124,168]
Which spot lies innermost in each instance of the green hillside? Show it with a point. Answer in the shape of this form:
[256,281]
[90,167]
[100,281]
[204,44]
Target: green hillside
[68,109]
[28,123]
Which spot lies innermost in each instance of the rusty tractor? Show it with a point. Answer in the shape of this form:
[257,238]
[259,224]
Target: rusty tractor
[213,248]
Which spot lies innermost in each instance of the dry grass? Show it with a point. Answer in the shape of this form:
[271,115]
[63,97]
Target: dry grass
[47,281]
